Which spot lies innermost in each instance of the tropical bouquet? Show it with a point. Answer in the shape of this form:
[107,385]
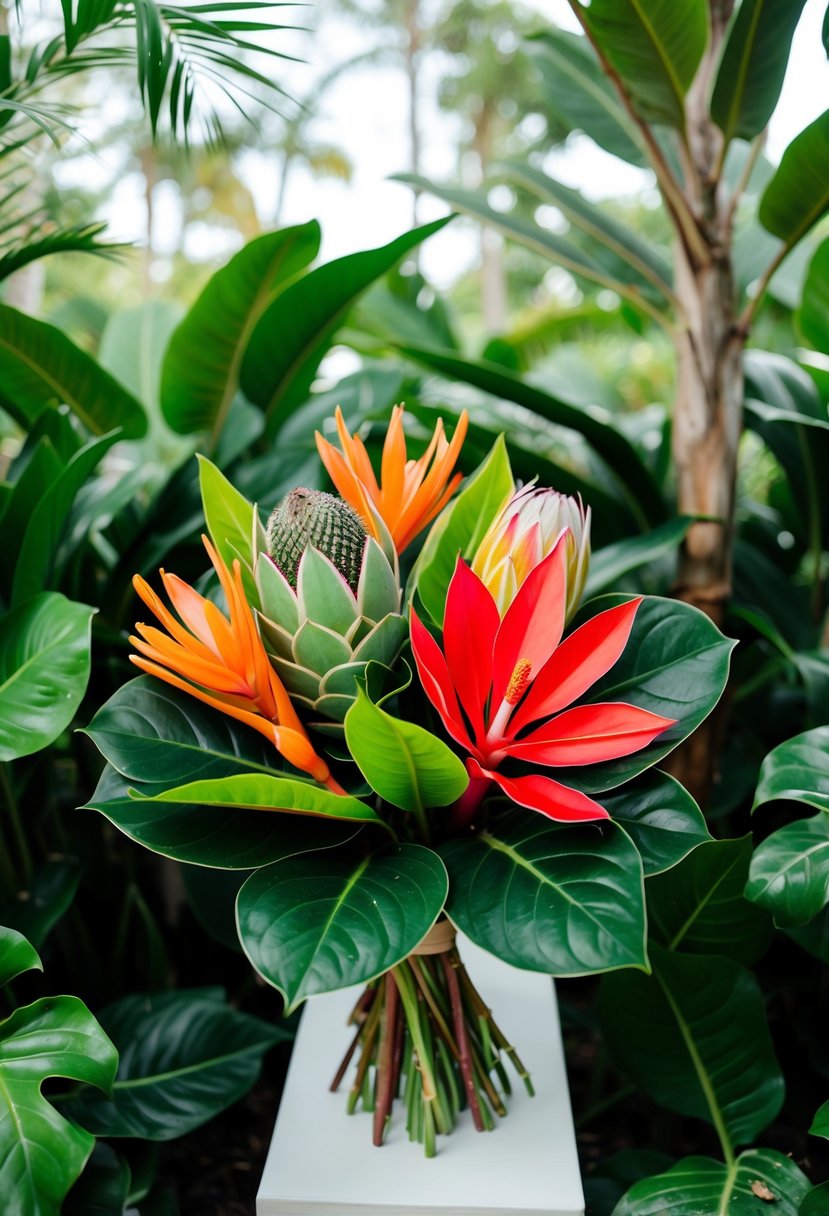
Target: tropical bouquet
[393,759]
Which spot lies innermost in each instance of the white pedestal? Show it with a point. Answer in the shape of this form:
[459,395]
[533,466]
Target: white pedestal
[322,1162]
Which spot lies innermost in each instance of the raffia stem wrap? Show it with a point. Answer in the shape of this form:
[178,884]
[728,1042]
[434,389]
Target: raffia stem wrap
[439,940]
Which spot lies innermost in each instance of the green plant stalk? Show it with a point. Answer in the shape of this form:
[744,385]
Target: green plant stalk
[17,824]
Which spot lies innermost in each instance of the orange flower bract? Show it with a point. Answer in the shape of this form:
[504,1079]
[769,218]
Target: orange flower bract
[222,661]
[410,493]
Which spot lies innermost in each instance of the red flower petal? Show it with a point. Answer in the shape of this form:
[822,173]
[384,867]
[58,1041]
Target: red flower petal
[436,681]
[577,664]
[470,624]
[544,795]
[534,621]
[589,734]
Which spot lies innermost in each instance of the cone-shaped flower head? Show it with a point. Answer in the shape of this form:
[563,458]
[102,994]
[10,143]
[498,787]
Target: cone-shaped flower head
[410,493]
[330,602]
[221,661]
[523,533]
[503,687]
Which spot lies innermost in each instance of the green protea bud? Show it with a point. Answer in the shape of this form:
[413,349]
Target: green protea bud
[311,517]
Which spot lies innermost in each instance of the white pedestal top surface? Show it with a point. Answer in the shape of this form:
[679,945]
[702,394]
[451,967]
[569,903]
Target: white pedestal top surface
[322,1162]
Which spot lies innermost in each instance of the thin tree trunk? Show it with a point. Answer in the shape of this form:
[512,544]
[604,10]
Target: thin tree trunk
[708,407]
[412,56]
[493,278]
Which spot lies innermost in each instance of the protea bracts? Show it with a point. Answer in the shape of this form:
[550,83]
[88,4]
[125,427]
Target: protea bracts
[330,602]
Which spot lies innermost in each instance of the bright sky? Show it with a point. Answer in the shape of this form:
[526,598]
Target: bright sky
[365,113]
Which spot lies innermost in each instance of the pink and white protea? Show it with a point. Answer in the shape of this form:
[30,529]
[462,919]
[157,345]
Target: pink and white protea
[523,533]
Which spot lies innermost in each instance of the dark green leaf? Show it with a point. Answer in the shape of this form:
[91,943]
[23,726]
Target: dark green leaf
[154,734]
[612,562]
[813,316]
[403,763]
[790,871]
[574,84]
[16,955]
[48,895]
[184,1057]
[656,49]
[201,368]
[699,906]
[222,837]
[41,369]
[211,895]
[324,921]
[694,1035]
[698,1185]
[798,194]
[103,1188]
[752,67]
[621,457]
[675,664]
[44,668]
[661,818]
[565,901]
[797,770]
[816,1202]
[292,335]
[820,1123]
[813,937]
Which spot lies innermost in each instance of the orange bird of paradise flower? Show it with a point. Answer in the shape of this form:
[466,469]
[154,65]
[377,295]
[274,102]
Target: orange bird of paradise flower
[410,493]
[223,662]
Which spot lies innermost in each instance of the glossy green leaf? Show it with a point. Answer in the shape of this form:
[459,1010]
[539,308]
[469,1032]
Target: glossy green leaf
[575,86]
[47,896]
[226,838]
[661,818]
[675,664]
[460,528]
[797,770]
[184,1057]
[815,1202]
[324,921]
[16,955]
[156,735]
[623,461]
[694,1036]
[44,668]
[201,368]
[103,1188]
[268,793]
[655,47]
[813,315]
[798,194]
[565,901]
[813,937]
[403,763]
[790,871]
[752,66]
[820,1123]
[699,906]
[232,523]
[700,1185]
[612,562]
[41,1153]
[46,525]
[40,368]
[297,328]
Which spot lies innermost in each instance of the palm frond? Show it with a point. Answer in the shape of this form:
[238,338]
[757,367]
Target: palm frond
[35,243]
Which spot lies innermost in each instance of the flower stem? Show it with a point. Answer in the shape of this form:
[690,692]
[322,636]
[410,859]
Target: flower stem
[464,809]
[463,1042]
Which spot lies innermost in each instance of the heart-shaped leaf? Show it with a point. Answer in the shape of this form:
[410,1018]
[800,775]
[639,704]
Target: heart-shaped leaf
[675,664]
[184,1057]
[154,734]
[565,901]
[324,921]
[44,668]
[694,1035]
[41,1152]
[225,838]
[789,872]
[698,1185]
[699,906]
[816,1202]
[820,1123]
[797,770]
[403,763]
[661,818]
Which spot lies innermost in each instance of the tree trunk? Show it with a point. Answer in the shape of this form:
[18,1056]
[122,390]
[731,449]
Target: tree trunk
[493,276]
[709,395]
[412,56]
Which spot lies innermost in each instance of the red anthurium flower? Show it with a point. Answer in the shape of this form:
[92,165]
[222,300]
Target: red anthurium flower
[503,687]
